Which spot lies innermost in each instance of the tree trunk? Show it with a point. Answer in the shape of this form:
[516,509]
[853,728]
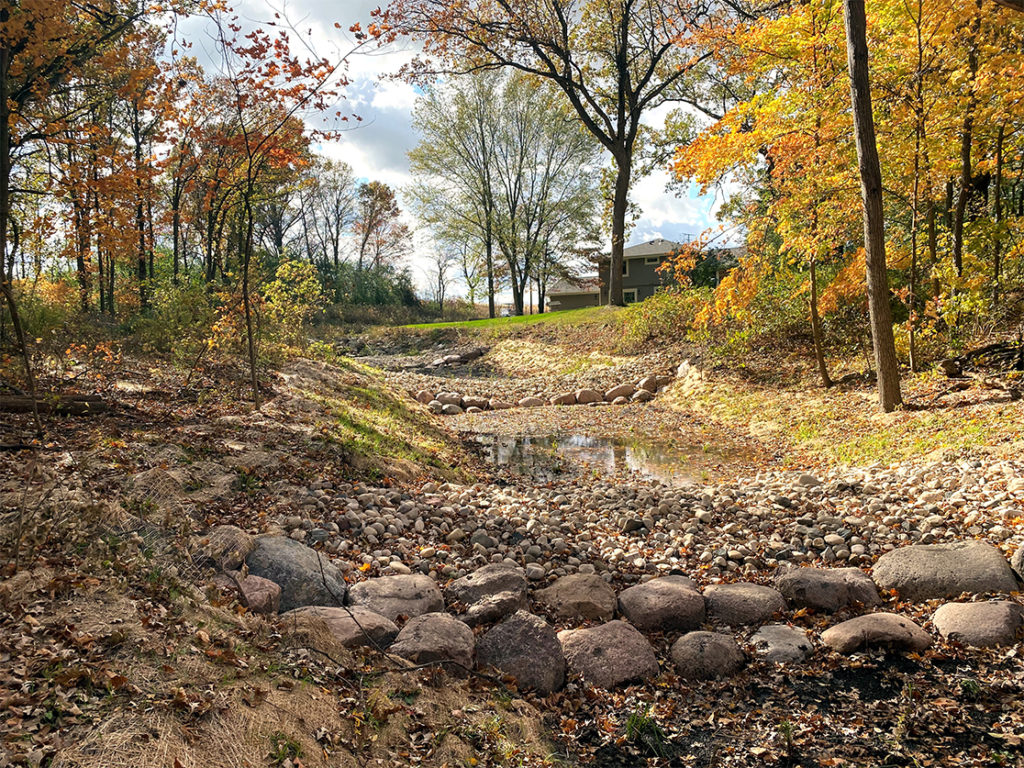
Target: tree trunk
[6,286]
[966,140]
[997,216]
[819,347]
[489,251]
[624,167]
[889,395]
[250,335]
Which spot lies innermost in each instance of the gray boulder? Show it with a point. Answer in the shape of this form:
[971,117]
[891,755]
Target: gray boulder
[608,655]
[471,401]
[740,604]
[527,648]
[423,396]
[827,589]
[782,643]
[1017,563]
[436,638]
[494,607]
[351,627]
[531,402]
[876,629]
[648,383]
[671,603]
[306,577]
[980,624]
[257,594]
[489,580]
[707,655]
[394,596]
[449,409]
[928,571]
[579,596]
[588,396]
[563,398]
[449,398]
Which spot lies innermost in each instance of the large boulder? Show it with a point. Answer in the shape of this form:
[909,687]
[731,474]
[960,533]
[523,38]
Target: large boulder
[782,643]
[493,607]
[497,404]
[623,390]
[648,383]
[449,409]
[671,603]
[740,604]
[579,596]
[526,647]
[351,627]
[928,571]
[564,398]
[707,655]
[876,629]
[472,401]
[980,624]
[449,398]
[424,396]
[827,589]
[436,638]
[588,396]
[489,580]
[306,577]
[608,655]
[394,596]
[227,546]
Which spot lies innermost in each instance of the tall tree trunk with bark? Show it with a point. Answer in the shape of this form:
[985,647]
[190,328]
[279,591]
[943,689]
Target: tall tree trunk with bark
[620,204]
[889,395]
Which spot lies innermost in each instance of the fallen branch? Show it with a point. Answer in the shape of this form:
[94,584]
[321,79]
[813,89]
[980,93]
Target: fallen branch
[72,405]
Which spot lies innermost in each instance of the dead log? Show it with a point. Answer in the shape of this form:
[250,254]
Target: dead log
[68,405]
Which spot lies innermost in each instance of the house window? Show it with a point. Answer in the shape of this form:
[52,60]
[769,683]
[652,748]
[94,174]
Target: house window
[652,260]
[625,267]
[629,297]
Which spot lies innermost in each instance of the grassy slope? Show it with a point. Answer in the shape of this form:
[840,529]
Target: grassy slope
[572,317]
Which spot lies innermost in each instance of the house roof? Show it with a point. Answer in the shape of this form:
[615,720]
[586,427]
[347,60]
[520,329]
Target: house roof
[657,247]
[576,286]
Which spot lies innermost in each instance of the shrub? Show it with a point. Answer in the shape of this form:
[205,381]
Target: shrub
[667,316]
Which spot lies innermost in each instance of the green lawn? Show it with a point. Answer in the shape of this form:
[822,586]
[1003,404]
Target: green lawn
[568,317]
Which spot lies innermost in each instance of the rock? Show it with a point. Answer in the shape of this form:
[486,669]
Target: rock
[394,596]
[951,367]
[707,655]
[530,402]
[608,655]
[352,627]
[827,589]
[449,398]
[670,603]
[474,409]
[527,648]
[499,405]
[535,572]
[424,396]
[620,401]
[876,629]
[451,410]
[782,643]
[980,624]
[623,390]
[808,481]
[259,595]
[579,595]
[587,396]
[475,402]
[923,571]
[486,581]
[565,398]
[227,546]
[435,406]
[648,384]
[642,396]
[740,604]
[1017,562]
[297,570]
[436,638]
[493,607]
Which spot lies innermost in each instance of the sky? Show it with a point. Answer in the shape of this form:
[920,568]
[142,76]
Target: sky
[377,148]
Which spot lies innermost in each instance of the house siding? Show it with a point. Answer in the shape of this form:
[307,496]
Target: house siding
[572,301]
[644,279]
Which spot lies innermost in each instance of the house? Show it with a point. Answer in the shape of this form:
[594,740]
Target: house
[640,276]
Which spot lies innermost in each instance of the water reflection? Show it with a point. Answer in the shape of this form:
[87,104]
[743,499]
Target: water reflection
[540,455]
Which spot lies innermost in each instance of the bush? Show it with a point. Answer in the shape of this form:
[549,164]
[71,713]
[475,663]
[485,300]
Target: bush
[667,316]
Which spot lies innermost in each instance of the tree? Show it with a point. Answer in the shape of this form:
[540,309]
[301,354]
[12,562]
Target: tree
[880,313]
[614,60]
[328,195]
[454,163]
[41,47]
[382,237]
[442,262]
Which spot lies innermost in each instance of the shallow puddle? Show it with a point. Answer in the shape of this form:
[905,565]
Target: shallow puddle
[542,455]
